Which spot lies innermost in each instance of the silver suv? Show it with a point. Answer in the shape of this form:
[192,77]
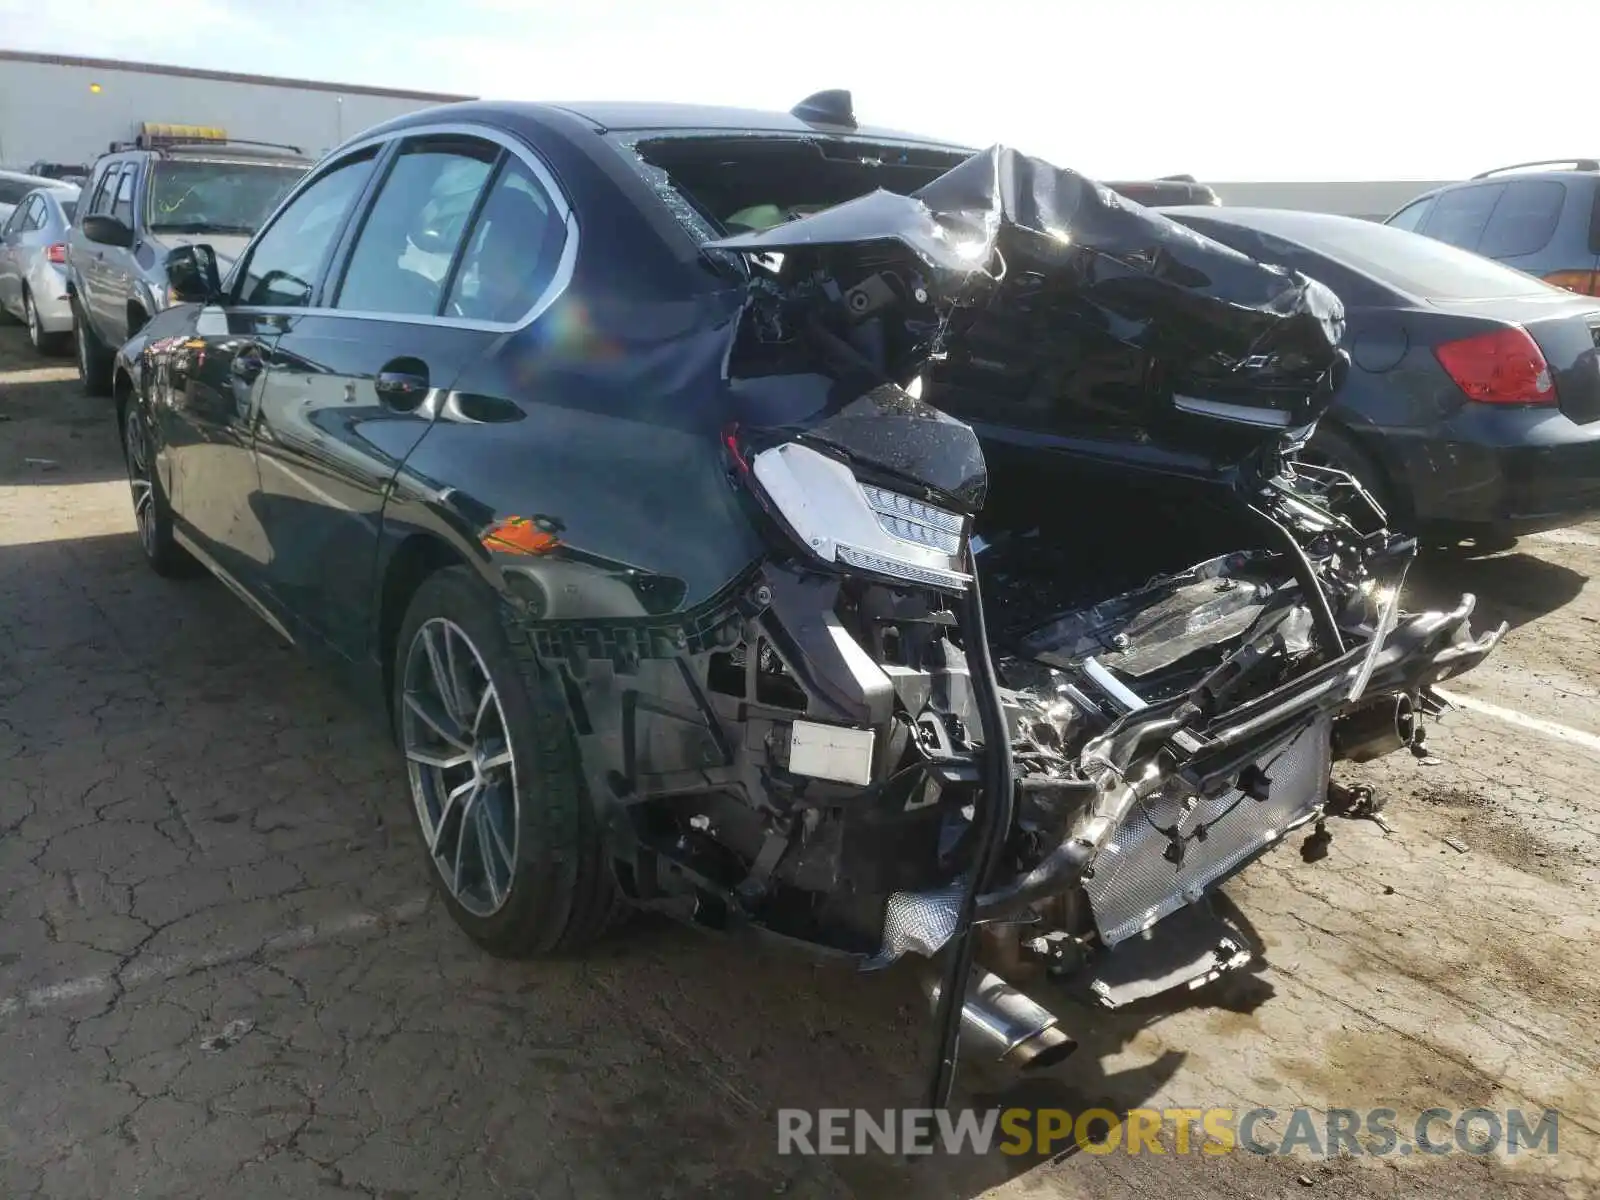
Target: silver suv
[1540,217]
[140,203]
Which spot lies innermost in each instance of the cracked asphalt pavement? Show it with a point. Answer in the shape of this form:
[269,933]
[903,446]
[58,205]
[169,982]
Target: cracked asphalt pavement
[222,971]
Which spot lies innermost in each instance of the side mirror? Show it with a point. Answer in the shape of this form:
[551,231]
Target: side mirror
[192,275]
[108,231]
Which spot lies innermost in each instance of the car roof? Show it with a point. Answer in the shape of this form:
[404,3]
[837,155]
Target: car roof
[643,118]
[632,116]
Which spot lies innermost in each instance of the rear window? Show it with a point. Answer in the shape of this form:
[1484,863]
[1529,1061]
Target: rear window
[13,190]
[1525,219]
[201,196]
[717,185]
[69,209]
[1407,262]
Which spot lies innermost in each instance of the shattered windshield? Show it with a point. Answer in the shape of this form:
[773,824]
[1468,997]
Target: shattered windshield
[718,183]
[188,196]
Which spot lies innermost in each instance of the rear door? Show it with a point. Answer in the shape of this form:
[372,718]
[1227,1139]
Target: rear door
[12,257]
[462,235]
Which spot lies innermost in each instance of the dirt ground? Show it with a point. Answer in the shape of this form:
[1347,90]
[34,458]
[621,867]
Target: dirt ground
[221,971]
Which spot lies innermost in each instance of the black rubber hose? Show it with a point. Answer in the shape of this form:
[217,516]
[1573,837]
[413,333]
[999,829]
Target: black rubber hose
[993,817]
[1306,575]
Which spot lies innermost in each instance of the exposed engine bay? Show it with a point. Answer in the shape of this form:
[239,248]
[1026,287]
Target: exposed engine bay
[915,728]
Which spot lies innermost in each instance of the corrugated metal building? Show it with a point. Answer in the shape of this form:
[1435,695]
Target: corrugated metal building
[62,109]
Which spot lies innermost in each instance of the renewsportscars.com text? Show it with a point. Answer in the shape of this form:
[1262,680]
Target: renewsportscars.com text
[1213,1131]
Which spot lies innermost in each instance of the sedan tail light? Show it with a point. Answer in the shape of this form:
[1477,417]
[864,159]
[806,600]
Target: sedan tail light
[1585,283]
[1504,366]
[56,253]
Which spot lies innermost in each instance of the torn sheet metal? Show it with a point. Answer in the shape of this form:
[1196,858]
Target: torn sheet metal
[1048,256]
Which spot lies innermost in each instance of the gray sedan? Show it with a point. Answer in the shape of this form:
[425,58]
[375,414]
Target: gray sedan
[33,255]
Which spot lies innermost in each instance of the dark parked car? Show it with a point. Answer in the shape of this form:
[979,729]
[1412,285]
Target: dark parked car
[1541,217]
[591,440]
[1169,189]
[141,202]
[1473,403]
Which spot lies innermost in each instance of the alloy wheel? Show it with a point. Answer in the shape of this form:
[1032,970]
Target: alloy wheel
[140,480]
[462,769]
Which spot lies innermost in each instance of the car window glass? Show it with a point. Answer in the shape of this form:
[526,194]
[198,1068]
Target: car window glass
[1411,215]
[289,255]
[36,214]
[214,196]
[1459,215]
[1525,218]
[13,222]
[13,190]
[409,238]
[513,251]
[107,190]
[122,207]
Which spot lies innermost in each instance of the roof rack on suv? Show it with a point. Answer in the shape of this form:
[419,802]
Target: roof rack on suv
[1577,164]
[162,146]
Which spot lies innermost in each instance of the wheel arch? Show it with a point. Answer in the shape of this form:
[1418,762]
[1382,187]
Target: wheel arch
[1366,442]
[417,556]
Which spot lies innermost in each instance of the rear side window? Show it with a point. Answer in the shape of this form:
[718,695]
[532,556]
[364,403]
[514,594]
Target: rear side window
[1411,215]
[1460,215]
[409,238]
[289,256]
[1525,219]
[36,214]
[513,252]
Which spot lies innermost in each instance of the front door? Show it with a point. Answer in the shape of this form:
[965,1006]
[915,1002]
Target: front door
[209,426]
[355,385]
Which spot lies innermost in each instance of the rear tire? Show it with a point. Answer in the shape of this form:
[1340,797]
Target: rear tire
[502,810]
[42,342]
[94,360]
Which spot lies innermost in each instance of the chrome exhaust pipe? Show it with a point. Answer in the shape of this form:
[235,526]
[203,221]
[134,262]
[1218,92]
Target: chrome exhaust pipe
[1375,729]
[1004,1025]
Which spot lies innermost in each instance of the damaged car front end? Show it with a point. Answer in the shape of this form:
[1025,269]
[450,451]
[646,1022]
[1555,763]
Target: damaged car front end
[865,760]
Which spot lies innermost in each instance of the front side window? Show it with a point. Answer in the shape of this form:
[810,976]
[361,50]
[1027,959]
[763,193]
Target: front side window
[1459,216]
[411,234]
[122,206]
[206,196]
[512,253]
[289,256]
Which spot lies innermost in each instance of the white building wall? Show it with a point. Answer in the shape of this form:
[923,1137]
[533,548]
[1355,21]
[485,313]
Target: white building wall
[49,108]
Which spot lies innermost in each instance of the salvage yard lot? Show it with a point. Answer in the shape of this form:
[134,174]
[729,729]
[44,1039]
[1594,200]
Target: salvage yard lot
[222,973]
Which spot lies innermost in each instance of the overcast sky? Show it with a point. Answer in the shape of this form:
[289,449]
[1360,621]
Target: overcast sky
[1226,89]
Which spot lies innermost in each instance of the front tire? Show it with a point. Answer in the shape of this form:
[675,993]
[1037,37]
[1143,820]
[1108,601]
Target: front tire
[497,787]
[94,360]
[151,513]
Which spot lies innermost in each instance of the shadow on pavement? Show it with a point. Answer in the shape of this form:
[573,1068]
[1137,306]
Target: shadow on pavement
[1514,587]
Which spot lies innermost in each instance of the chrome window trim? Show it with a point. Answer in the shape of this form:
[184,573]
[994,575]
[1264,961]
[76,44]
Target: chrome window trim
[524,153]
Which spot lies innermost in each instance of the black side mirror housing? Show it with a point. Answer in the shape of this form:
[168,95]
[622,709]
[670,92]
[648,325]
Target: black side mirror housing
[192,274]
[106,230]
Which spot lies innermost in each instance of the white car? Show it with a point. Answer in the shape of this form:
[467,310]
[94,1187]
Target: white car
[33,257]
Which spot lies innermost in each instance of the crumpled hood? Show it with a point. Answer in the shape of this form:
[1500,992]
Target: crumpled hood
[1024,263]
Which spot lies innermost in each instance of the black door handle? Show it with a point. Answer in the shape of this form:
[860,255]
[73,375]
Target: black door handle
[402,385]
